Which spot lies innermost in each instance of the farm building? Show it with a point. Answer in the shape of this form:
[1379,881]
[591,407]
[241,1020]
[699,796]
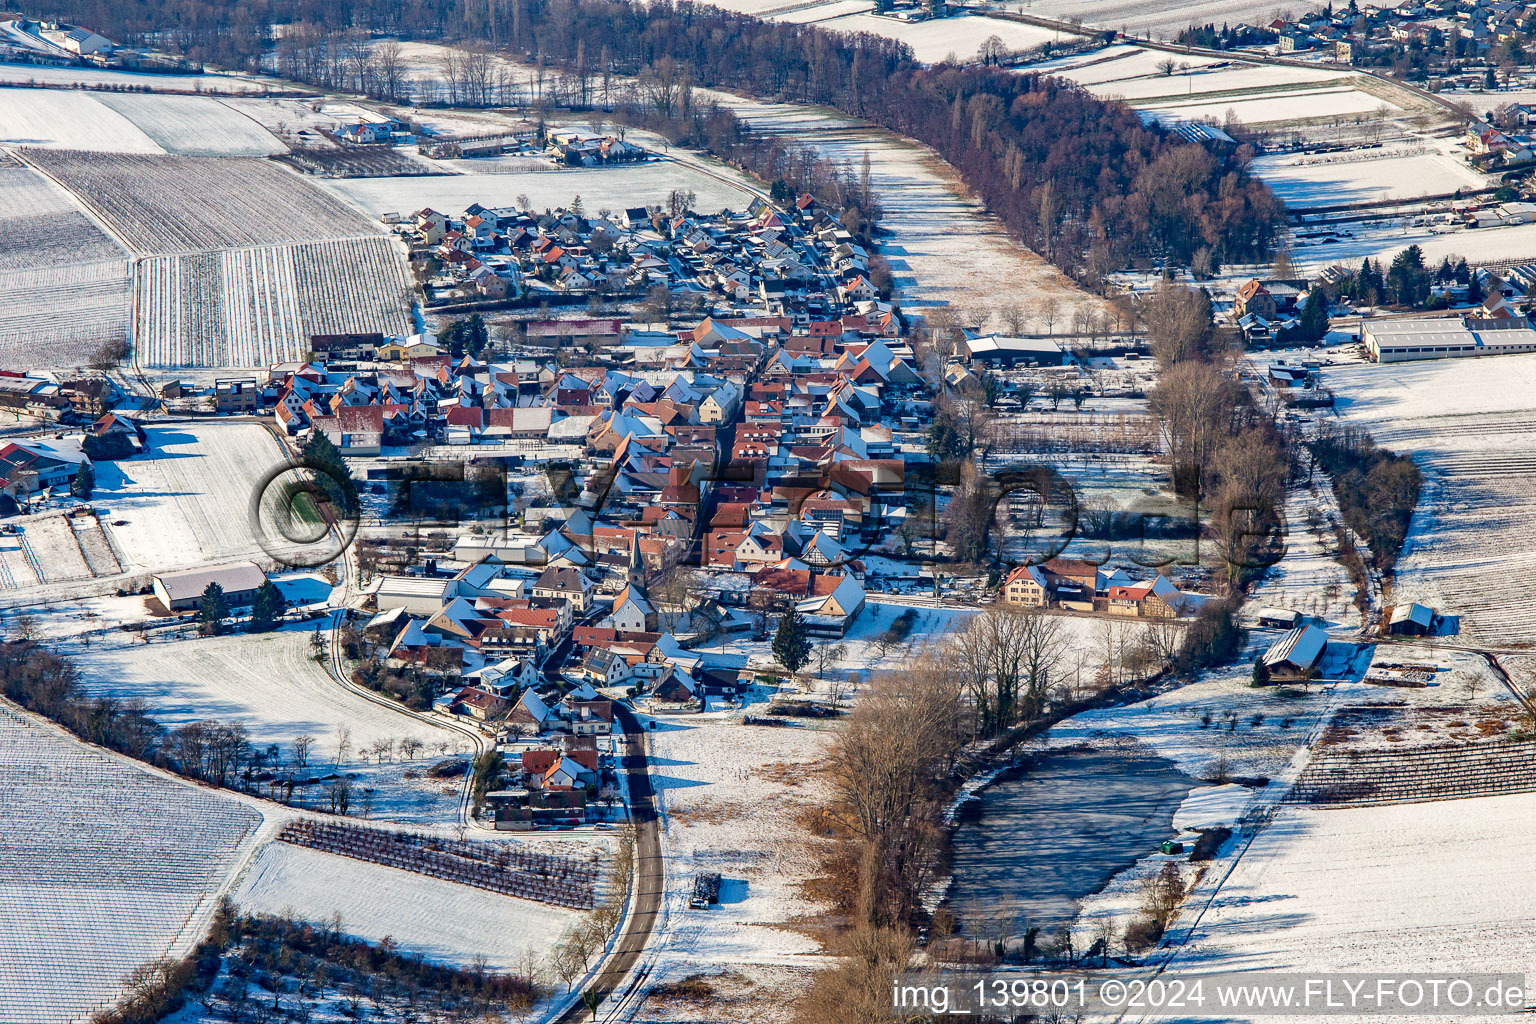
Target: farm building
[1294,654]
[1279,618]
[181,591]
[31,466]
[1411,620]
[1400,341]
[995,350]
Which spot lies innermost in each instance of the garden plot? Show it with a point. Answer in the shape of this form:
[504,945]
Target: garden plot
[599,187]
[194,125]
[1363,176]
[103,866]
[254,307]
[1409,887]
[1470,424]
[731,795]
[959,37]
[55,119]
[187,504]
[58,316]
[442,921]
[268,682]
[50,547]
[170,204]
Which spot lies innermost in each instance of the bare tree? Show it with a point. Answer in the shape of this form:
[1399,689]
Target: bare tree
[301,748]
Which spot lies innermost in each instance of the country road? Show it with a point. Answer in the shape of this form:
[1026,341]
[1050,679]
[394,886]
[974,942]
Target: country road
[650,876]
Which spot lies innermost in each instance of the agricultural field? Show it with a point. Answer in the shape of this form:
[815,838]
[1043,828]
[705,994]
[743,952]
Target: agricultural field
[174,204]
[43,226]
[59,316]
[959,37]
[194,125]
[442,921]
[55,119]
[1470,424]
[1372,889]
[254,307]
[103,866]
[63,281]
[268,682]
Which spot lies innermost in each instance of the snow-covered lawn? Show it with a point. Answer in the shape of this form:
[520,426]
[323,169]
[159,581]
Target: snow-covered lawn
[1440,886]
[54,119]
[598,187]
[194,125]
[103,866]
[959,37]
[445,922]
[1470,424]
[1364,175]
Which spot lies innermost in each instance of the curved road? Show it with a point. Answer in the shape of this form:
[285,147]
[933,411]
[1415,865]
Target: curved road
[650,876]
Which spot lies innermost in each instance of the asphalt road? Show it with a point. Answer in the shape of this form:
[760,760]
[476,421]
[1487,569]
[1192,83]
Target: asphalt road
[649,878]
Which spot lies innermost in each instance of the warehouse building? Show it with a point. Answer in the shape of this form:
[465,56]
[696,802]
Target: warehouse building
[1399,341]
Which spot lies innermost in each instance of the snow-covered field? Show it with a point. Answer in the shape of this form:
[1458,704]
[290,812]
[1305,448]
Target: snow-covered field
[103,866]
[1289,105]
[1364,175]
[1470,424]
[268,682]
[26,74]
[63,281]
[1160,18]
[440,920]
[1308,579]
[942,247]
[599,187]
[54,119]
[1199,88]
[1441,886]
[186,504]
[730,794]
[194,125]
[958,37]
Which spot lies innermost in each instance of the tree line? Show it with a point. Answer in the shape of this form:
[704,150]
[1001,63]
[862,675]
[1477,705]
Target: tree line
[1078,179]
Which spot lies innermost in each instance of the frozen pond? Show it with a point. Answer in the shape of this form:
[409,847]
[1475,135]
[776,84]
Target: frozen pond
[1058,831]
